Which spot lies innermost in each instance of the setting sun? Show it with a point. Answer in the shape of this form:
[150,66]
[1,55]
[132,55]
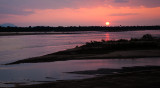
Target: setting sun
[107,23]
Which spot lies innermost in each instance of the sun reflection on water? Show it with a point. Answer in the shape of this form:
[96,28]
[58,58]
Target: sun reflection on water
[107,37]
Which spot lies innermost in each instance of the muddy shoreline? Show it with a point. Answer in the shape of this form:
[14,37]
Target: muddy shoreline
[131,77]
[113,55]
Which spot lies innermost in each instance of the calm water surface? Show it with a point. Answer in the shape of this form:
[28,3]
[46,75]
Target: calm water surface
[14,48]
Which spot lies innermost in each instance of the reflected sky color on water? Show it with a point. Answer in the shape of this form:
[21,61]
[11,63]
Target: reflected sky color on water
[31,73]
[14,48]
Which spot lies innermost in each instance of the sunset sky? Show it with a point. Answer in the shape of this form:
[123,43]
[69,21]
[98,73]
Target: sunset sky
[80,12]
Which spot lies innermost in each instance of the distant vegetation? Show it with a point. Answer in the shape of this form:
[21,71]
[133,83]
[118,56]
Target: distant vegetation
[74,28]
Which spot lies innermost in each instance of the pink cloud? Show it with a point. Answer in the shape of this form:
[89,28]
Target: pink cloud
[78,12]
[87,16]
[18,6]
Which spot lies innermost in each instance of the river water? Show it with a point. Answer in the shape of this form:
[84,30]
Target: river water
[14,48]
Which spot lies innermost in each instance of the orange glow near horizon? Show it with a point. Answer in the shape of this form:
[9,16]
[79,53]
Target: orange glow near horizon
[93,16]
[107,23]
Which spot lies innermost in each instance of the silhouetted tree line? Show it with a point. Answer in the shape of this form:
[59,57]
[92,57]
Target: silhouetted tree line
[75,28]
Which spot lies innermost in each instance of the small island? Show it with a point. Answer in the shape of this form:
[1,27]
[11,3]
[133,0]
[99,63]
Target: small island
[147,46]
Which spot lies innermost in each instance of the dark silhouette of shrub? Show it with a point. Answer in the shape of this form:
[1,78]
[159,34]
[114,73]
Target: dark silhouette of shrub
[147,37]
[146,42]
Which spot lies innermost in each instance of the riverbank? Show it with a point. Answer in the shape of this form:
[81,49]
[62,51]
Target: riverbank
[147,46]
[34,33]
[132,77]
[113,55]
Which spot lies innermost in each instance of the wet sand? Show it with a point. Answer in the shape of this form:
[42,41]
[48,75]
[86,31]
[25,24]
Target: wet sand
[143,78]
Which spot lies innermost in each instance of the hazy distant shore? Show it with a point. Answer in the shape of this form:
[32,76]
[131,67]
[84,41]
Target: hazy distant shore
[11,31]
[33,33]
[147,46]
[42,30]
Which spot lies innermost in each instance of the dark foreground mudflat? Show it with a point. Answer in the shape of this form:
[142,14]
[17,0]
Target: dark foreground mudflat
[135,79]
